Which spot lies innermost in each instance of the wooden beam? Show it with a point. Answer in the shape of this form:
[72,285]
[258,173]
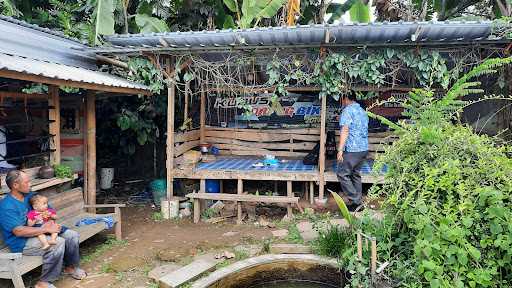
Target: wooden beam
[114,62]
[311,192]
[54,117]
[202,117]
[7,94]
[321,159]
[244,198]
[91,149]
[171,92]
[83,128]
[244,89]
[75,84]
[239,190]
[289,193]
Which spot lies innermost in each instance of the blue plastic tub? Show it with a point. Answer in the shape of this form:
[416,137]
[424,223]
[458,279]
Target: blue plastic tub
[212,186]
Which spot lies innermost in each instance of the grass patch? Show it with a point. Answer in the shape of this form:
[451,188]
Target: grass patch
[241,255]
[294,235]
[222,264]
[333,241]
[120,276]
[157,216]
[109,244]
[106,267]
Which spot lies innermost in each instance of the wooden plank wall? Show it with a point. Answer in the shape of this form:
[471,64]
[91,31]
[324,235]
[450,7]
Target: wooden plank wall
[185,141]
[293,143]
[278,142]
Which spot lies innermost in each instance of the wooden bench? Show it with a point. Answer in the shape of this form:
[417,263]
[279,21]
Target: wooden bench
[238,198]
[70,208]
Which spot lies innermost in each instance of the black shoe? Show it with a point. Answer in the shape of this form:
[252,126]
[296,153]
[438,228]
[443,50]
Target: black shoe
[355,207]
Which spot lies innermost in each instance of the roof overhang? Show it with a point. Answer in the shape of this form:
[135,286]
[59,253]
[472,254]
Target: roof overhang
[308,36]
[20,68]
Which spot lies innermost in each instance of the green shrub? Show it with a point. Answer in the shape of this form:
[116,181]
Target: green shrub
[449,192]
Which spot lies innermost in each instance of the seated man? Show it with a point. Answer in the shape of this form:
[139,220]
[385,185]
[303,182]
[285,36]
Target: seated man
[22,238]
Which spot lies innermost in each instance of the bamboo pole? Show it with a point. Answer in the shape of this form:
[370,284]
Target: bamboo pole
[187,93]
[171,92]
[91,149]
[203,116]
[289,193]
[54,129]
[321,161]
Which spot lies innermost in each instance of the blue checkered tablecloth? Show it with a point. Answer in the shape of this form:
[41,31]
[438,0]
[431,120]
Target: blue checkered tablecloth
[245,164]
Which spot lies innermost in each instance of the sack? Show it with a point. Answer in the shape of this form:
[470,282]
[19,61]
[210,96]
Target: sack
[312,157]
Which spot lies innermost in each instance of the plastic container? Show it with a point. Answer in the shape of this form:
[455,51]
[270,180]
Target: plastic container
[212,186]
[107,176]
[158,188]
[170,209]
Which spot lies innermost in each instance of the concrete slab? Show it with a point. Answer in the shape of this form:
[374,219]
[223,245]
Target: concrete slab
[290,249]
[161,271]
[188,273]
[280,233]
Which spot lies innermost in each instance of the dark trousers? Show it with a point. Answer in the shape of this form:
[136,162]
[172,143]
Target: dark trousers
[64,253]
[349,175]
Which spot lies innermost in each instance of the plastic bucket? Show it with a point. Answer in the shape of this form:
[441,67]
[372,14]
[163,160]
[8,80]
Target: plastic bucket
[106,178]
[212,186]
[158,188]
[170,209]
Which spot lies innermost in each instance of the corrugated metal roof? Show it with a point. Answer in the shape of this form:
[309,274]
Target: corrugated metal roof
[31,41]
[32,50]
[315,35]
[64,72]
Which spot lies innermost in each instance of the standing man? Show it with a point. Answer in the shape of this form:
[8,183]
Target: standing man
[352,149]
[21,238]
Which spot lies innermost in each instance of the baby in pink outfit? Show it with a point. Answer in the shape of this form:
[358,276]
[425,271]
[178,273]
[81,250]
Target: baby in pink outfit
[41,214]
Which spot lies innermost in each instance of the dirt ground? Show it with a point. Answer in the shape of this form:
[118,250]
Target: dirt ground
[127,264]
[148,244]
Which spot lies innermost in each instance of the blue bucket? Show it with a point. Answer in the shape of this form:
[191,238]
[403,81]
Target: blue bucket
[212,186]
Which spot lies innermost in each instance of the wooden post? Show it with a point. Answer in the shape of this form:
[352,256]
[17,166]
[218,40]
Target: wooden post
[84,136]
[373,267]
[359,246]
[321,160]
[239,191]
[202,118]
[171,92]
[185,108]
[311,192]
[54,129]
[91,149]
[289,193]
[202,189]
[197,210]
[119,234]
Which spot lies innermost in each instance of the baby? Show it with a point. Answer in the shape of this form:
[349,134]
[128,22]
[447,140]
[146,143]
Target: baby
[40,215]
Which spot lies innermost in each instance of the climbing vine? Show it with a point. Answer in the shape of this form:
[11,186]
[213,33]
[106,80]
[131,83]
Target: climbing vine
[340,71]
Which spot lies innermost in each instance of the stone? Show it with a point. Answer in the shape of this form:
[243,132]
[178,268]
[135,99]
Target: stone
[188,273]
[271,225]
[125,263]
[304,226]
[290,249]
[161,271]
[280,233]
[309,236]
